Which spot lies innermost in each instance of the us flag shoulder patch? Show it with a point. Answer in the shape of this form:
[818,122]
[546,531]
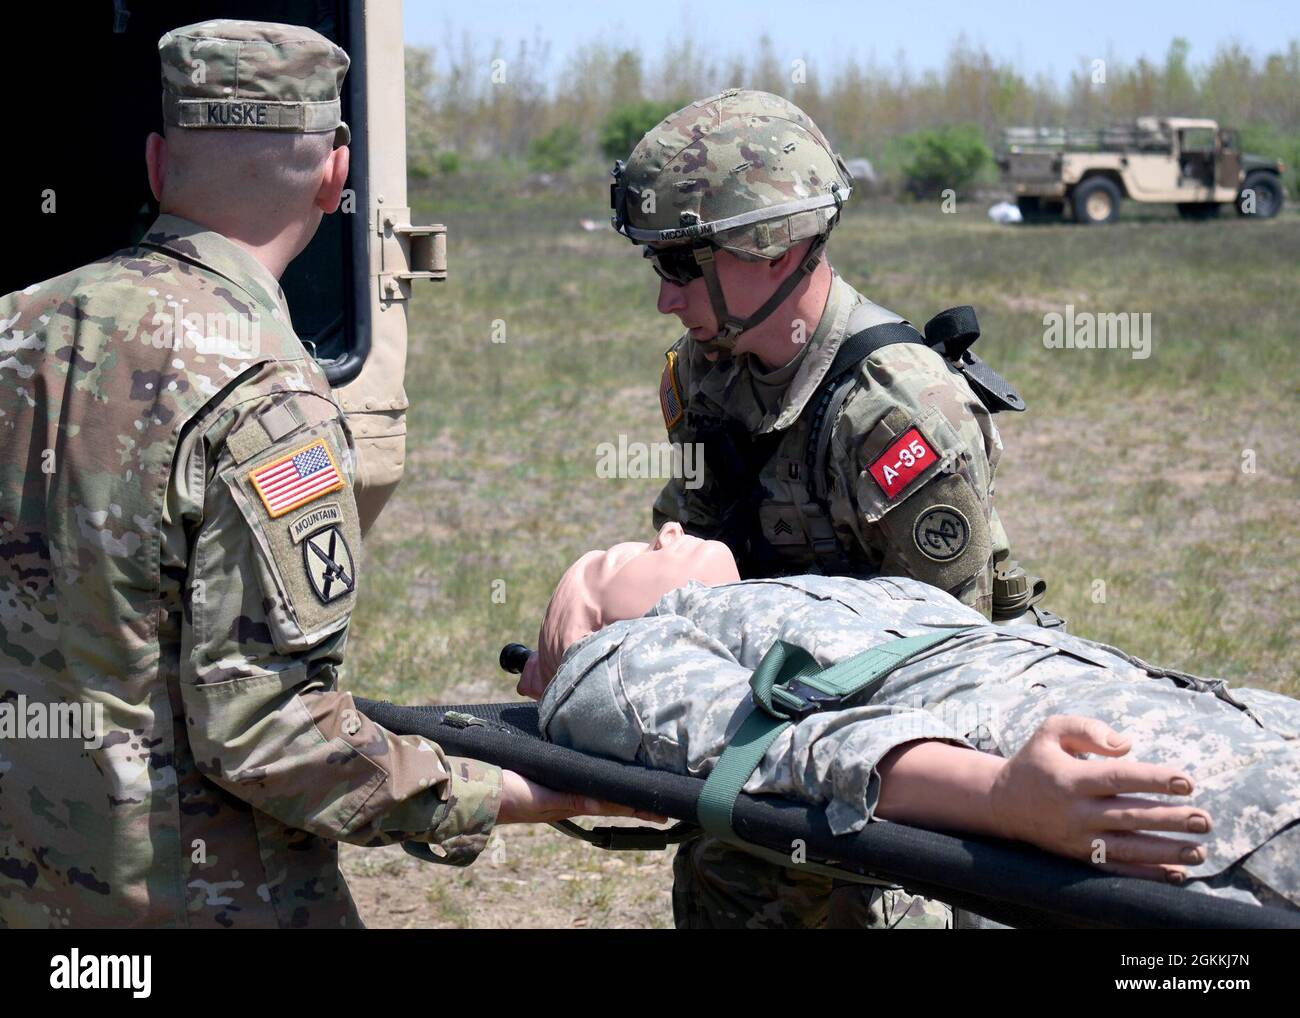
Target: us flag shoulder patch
[670,396]
[295,479]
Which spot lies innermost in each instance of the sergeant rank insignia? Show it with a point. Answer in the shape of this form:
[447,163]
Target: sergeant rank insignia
[296,478]
[329,564]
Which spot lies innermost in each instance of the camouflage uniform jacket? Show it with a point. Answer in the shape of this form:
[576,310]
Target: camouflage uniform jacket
[911,460]
[178,542]
[669,689]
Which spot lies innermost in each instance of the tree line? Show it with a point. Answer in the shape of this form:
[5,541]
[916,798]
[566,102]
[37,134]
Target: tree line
[471,103]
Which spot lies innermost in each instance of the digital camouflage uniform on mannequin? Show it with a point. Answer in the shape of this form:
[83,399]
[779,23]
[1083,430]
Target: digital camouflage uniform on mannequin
[673,689]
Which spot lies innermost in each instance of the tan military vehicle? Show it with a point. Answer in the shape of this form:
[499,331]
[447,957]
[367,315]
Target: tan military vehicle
[1192,163]
[347,293]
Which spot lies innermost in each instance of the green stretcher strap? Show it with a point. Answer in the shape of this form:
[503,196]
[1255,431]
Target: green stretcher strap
[742,754]
[788,685]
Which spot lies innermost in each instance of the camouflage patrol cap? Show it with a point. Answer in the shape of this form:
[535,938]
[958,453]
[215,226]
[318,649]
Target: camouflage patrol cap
[253,75]
[744,170]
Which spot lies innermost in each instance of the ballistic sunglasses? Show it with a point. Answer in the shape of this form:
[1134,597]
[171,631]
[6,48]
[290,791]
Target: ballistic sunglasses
[676,265]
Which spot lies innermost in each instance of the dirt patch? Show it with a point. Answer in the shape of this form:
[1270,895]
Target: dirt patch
[1041,305]
[529,877]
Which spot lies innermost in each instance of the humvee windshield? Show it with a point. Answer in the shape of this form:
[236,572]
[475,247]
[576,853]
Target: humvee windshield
[1198,139]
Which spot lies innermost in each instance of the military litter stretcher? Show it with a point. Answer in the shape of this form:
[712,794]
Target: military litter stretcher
[1008,882]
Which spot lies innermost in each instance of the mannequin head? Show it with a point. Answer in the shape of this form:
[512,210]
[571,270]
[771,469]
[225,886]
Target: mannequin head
[623,582]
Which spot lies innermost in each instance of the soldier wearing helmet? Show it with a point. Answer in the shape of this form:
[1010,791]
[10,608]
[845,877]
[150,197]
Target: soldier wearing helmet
[837,438]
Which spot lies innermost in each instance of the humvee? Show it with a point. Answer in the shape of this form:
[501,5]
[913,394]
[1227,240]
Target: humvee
[348,292]
[1193,163]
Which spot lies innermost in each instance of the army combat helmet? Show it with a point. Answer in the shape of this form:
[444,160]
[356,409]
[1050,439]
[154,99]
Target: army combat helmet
[744,171]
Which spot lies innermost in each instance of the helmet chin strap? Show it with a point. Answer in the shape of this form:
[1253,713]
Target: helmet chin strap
[731,327]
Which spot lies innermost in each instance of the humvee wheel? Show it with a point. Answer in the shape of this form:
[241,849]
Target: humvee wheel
[1096,200]
[1268,195]
[1198,209]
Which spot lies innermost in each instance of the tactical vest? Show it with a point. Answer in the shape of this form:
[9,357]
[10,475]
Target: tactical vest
[91,437]
[780,522]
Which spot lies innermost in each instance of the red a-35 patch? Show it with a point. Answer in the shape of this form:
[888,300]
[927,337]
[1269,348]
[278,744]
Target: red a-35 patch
[903,462]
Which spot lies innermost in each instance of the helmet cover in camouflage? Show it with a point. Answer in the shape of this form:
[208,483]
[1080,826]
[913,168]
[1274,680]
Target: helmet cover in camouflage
[749,171]
[253,74]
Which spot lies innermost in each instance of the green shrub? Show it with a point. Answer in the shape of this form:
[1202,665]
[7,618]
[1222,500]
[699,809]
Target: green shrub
[943,157]
[627,125]
[448,163]
[1267,140]
[556,150]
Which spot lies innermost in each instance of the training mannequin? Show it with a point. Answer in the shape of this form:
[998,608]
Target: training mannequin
[622,582]
[646,651]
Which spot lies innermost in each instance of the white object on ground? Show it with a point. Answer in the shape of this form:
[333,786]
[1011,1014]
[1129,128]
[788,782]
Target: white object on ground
[1005,212]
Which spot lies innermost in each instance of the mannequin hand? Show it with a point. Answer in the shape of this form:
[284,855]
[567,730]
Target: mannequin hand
[1047,796]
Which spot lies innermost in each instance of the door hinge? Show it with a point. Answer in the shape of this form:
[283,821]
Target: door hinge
[407,252]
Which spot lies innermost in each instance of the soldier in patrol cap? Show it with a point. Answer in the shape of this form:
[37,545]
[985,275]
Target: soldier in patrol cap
[180,548]
[837,438]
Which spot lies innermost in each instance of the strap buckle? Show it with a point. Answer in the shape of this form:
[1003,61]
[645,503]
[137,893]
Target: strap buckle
[787,685]
[798,699]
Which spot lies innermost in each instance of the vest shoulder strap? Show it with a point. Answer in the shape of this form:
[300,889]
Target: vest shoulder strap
[862,344]
[838,381]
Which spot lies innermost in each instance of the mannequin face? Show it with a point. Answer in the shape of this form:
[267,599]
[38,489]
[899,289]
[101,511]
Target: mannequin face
[622,582]
[640,574]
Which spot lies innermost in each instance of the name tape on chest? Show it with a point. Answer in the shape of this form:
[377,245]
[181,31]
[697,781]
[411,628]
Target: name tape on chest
[297,478]
[906,459]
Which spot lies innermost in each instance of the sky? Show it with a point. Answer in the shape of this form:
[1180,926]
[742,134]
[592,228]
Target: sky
[1048,37]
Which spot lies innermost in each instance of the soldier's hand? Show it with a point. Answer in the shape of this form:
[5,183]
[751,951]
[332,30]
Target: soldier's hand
[526,802]
[1047,796]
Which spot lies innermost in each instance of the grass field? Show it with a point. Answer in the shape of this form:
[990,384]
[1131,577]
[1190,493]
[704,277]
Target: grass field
[1158,496]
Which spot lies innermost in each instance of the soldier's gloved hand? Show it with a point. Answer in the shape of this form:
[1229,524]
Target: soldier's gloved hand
[1047,796]
[525,802]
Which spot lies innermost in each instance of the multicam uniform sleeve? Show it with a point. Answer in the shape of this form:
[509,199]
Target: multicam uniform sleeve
[913,453]
[272,551]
